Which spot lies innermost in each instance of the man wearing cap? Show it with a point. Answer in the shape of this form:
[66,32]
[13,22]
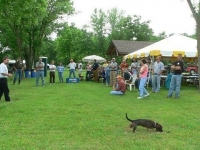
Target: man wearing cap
[120,87]
[113,72]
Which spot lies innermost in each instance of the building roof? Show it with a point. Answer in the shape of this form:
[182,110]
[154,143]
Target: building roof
[122,47]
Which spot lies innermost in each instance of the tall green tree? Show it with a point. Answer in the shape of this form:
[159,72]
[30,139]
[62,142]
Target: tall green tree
[124,27]
[73,43]
[195,8]
[98,23]
[116,25]
[160,36]
[24,24]
[114,16]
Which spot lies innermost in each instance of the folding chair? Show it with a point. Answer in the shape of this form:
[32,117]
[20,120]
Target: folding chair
[129,80]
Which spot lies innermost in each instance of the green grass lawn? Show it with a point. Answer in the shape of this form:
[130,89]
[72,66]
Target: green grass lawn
[84,116]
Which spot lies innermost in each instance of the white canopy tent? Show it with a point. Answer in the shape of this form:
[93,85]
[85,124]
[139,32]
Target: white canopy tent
[171,46]
[92,57]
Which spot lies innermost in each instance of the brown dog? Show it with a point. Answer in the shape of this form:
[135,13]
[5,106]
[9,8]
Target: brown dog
[149,124]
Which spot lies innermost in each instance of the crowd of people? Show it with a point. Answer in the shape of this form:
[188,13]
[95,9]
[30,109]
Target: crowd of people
[110,72]
[139,74]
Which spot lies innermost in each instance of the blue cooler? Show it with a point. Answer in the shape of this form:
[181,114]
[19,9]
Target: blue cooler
[72,80]
[27,74]
[33,73]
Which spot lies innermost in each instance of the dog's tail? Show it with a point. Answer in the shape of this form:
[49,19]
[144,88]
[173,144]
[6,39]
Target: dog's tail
[128,118]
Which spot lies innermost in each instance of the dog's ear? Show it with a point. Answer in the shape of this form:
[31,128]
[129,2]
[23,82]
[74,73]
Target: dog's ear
[159,128]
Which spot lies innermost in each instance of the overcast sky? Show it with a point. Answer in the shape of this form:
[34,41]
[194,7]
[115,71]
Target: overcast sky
[171,16]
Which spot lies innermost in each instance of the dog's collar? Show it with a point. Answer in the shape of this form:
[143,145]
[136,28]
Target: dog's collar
[154,124]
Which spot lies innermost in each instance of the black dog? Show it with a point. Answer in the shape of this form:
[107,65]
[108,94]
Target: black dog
[149,124]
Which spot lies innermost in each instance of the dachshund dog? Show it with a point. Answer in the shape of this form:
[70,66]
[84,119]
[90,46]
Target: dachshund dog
[149,124]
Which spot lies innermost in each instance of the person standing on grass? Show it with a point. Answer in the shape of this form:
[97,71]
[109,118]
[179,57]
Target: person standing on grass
[3,79]
[18,67]
[120,87]
[134,69]
[40,71]
[72,67]
[113,72]
[143,79]
[80,69]
[107,71]
[60,69]
[95,70]
[157,70]
[105,64]
[52,69]
[150,68]
[88,71]
[175,83]
[123,66]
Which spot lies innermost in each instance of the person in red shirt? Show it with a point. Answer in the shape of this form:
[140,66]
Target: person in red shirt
[120,87]
[123,66]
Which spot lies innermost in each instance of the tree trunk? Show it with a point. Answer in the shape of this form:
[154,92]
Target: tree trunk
[196,15]
[198,48]
[29,61]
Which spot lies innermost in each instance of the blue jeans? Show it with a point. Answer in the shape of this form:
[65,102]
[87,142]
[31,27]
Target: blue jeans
[108,77]
[39,74]
[142,89]
[18,73]
[156,83]
[70,73]
[116,93]
[175,84]
[60,76]
[134,71]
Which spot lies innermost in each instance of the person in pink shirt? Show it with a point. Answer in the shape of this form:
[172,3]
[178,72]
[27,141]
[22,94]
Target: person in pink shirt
[143,79]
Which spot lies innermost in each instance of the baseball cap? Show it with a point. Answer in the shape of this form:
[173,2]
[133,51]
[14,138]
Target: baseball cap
[119,77]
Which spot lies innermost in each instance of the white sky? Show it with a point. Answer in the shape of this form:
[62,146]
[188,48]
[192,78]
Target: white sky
[171,16]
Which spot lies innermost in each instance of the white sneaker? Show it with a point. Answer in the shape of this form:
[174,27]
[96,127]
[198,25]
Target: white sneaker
[146,95]
[139,97]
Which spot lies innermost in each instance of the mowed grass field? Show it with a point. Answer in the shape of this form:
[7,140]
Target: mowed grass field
[84,116]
